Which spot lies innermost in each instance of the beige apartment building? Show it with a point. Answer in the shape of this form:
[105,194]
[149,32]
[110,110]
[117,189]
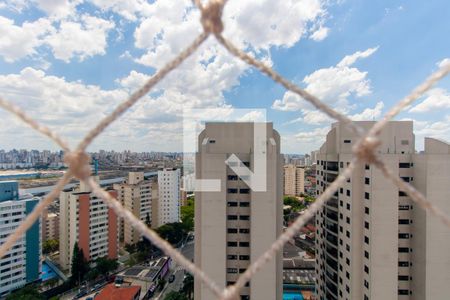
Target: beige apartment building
[50,226]
[138,196]
[294,180]
[372,241]
[235,225]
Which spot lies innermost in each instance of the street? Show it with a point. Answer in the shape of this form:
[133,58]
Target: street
[178,271]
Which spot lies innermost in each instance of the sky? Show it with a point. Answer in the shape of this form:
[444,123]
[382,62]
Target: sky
[69,63]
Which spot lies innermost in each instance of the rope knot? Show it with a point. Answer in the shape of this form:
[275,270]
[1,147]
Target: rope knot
[230,293]
[365,148]
[212,17]
[78,163]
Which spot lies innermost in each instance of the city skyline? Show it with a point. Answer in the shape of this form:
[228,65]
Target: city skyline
[360,58]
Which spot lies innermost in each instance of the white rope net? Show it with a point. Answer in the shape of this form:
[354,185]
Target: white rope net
[364,152]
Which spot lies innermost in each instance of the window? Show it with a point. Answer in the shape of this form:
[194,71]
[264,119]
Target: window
[403,277]
[403,235]
[366,210]
[232,244]
[366,283]
[244,244]
[244,257]
[366,297]
[232,177]
[232,191]
[366,240]
[244,204]
[347,247]
[347,141]
[244,218]
[341,203]
[232,270]
[406,179]
[367,196]
[347,234]
[244,230]
[232,204]
[232,257]
[403,292]
[366,269]
[404,142]
[366,224]
[341,229]
[348,193]
[246,163]
[348,206]
[402,194]
[347,261]
[403,250]
[366,254]
[403,221]
[403,207]
[341,190]
[348,220]
[367,167]
[244,191]
[403,264]
[367,180]
[232,217]
[232,230]
[403,165]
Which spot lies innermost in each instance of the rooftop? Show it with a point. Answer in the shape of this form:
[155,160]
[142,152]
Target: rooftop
[111,292]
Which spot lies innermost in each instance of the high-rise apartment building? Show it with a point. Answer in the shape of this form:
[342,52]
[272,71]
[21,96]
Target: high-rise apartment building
[50,226]
[372,241]
[294,180]
[168,208]
[235,225]
[22,263]
[137,195]
[87,221]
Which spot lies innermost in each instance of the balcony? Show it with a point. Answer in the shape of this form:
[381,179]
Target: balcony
[332,166]
[332,215]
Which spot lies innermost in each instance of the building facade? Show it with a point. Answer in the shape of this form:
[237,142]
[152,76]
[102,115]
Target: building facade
[50,226]
[22,263]
[294,180]
[235,225]
[137,195]
[87,221]
[372,241]
[167,209]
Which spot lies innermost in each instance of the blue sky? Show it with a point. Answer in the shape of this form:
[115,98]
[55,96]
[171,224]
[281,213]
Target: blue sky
[68,63]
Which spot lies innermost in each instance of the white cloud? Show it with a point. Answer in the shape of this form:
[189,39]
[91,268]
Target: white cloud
[436,99]
[316,135]
[369,114]
[351,59]
[83,39]
[58,9]
[333,86]
[443,62]
[129,9]
[17,41]
[320,34]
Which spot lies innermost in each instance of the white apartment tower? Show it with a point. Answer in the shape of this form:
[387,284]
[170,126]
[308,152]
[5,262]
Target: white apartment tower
[137,195]
[168,208]
[22,263]
[235,225]
[86,220]
[372,241]
[294,180]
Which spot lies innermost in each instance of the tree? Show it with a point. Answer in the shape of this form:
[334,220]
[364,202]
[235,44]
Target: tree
[294,203]
[187,215]
[161,283]
[175,296]
[188,286]
[50,246]
[172,232]
[79,264]
[105,265]
[28,292]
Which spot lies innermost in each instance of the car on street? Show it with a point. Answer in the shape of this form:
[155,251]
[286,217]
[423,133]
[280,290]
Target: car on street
[171,278]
